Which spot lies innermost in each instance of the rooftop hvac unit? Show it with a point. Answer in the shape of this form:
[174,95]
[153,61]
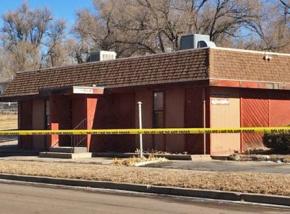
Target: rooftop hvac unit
[195,41]
[101,56]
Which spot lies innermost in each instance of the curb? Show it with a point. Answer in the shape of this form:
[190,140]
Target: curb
[174,191]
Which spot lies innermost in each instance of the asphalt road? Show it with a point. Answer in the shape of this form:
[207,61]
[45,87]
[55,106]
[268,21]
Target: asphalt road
[28,199]
[226,166]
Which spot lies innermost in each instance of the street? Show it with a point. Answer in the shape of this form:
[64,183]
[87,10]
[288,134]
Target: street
[30,199]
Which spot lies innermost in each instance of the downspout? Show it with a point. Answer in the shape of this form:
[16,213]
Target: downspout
[204,118]
[205,91]
[204,103]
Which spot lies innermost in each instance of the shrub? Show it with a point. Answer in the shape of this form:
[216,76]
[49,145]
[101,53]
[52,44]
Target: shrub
[277,142]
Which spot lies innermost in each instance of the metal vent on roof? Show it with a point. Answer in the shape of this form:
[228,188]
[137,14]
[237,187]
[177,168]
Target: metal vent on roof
[101,56]
[195,41]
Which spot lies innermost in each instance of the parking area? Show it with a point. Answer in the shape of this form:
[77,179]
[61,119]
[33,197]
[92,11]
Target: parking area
[226,166]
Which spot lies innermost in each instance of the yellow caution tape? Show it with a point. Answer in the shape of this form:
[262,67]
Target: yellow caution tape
[148,131]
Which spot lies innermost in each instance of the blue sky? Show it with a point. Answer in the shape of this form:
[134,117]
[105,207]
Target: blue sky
[65,9]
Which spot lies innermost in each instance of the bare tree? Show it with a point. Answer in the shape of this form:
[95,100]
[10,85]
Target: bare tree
[32,38]
[273,29]
[56,53]
[25,25]
[4,66]
[150,26]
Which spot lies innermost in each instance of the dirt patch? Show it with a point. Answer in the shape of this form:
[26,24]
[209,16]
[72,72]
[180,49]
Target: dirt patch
[239,181]
[8,121]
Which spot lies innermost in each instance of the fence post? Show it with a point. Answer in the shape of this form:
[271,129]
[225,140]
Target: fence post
[140,127]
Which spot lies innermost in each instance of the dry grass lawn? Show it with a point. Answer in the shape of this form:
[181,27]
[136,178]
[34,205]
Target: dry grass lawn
[8,121]
[277,184]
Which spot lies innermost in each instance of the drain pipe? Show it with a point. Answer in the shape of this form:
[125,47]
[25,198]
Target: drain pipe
[204,118]
[140,127]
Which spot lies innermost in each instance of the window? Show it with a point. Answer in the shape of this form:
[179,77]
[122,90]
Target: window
[47,114]
[158,110]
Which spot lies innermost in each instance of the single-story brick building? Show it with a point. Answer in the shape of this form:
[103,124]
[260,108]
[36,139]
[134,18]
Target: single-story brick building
[205,87]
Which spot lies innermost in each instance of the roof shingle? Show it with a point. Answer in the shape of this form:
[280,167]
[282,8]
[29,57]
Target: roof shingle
[190,65]
[154,69]
[249,65]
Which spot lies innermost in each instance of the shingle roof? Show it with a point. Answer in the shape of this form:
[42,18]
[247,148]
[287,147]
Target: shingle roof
[153,69]
[237,64]
[190,65]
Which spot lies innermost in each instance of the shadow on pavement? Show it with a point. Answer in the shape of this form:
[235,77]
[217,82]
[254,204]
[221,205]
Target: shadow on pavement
[8,147]
[4,139]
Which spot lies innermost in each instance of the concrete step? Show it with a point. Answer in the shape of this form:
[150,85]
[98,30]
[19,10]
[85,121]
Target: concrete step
[65,155]
[68,149]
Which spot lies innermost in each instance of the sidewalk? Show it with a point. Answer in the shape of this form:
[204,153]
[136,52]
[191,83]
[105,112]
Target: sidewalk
[226,166]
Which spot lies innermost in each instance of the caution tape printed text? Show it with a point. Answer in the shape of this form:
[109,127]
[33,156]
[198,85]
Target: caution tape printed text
[148,131]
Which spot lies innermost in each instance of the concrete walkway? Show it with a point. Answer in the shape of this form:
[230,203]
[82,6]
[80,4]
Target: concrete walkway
[226,166]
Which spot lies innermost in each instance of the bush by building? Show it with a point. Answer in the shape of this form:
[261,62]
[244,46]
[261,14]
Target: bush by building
[278,142]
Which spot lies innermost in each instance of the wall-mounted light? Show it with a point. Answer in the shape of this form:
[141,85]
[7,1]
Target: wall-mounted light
[267,57]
